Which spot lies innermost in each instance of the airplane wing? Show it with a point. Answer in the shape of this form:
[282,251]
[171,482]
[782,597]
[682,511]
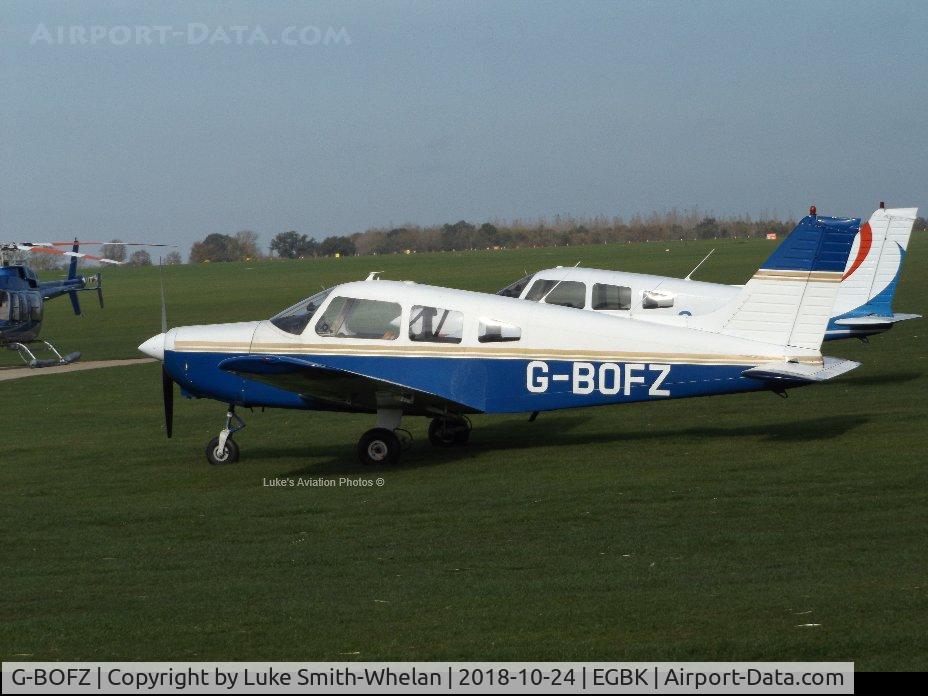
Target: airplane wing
[788,373]
[334,385]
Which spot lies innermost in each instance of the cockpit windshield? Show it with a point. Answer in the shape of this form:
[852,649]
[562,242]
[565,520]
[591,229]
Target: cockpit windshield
[294,319]
[515,290]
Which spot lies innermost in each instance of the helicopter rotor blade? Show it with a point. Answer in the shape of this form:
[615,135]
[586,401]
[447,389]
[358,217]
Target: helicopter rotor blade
[36,249]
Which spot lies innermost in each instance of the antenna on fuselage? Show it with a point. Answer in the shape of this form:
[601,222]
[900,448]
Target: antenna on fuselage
[690,274]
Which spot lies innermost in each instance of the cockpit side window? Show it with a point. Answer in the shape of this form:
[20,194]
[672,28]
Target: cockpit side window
[347,317]
[539,289]
[611,297]
[515,290]
[294,319]
[566,293]
[4,306]
[434,325]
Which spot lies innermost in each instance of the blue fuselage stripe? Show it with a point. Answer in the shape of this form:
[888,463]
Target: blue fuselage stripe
[491,385]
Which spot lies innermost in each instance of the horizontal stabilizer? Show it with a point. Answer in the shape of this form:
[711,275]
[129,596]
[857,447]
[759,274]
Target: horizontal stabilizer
[798,373]
[872,320]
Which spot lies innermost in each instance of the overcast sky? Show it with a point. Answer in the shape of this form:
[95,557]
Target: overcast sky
[329,118]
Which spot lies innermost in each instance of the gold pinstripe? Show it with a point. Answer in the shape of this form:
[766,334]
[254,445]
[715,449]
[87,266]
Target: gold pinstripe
[404,350]
[804,276]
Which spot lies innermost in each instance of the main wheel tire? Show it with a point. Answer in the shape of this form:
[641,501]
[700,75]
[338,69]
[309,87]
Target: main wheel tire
[448,432]
[229,454]
[379,446]
[462,435]
[441,433]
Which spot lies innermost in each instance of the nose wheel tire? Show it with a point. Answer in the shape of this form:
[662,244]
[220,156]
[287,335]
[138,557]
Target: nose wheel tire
[379,446]
[445,432]
[228,454]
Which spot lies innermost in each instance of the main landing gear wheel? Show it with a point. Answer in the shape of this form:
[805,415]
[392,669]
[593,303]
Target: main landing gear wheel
[379,446]
[227,455]
[447,432]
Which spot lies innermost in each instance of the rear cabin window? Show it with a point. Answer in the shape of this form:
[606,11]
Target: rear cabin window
[35,307]
[347,317]
[492,331]
[4,306]
[16,313]
[435,325]
[566,293]
[611,297]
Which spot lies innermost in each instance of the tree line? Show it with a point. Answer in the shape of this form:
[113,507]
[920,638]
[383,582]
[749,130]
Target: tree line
[464,235]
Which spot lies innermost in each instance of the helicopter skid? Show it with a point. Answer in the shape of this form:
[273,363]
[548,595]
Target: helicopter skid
[32,361]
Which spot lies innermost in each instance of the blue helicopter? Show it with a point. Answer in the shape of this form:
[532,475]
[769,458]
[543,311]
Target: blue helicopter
[23,297]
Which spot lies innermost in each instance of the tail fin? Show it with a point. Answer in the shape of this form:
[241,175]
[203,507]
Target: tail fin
[790,299]
[72,274]
[870,281]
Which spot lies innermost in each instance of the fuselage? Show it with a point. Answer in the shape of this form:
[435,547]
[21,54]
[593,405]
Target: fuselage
[481,353]
[22,301]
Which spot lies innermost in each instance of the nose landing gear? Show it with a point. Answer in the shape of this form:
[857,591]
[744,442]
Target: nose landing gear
[223,449]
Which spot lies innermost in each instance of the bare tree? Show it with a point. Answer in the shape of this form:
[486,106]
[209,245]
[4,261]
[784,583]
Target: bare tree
[173,259]
[245,245]
[45,262]
[140,258]
[117,252]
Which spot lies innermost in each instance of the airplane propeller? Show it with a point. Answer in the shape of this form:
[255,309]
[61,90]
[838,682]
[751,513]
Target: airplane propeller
[167,389]
[167,383]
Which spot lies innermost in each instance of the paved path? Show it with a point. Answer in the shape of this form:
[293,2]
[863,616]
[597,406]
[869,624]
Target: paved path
[17,372]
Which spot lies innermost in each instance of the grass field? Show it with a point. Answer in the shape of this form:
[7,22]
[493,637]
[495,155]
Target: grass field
[710,529]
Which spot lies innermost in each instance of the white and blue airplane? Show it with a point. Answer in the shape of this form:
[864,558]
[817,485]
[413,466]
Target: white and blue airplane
[862,308]
[399,348]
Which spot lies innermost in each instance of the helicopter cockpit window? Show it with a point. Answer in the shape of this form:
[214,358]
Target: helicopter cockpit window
[515,290]
[566,293]
[294,319]
[492,331]
[434,325]
[4,306]
[347,317]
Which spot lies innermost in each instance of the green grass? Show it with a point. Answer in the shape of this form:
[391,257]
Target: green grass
[693,529]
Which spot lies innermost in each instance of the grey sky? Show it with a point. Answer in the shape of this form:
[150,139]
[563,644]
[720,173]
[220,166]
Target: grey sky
[437,112]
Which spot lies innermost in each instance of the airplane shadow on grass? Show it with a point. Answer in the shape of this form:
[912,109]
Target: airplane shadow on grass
[891,378]
[556,431]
